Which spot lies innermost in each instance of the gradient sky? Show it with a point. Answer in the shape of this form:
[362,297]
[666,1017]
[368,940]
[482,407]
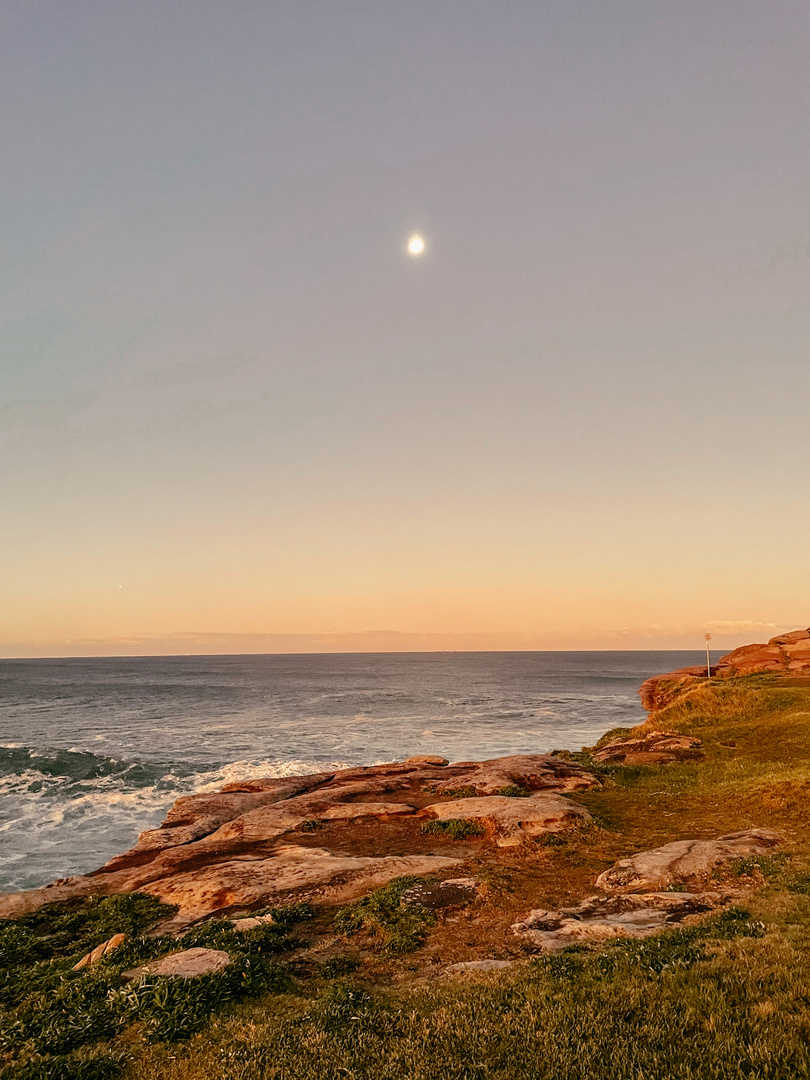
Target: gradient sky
[236,416]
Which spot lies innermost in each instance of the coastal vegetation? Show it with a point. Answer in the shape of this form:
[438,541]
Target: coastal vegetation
[721,997]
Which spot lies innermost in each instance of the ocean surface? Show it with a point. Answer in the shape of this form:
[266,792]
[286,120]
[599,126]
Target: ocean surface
[92,751]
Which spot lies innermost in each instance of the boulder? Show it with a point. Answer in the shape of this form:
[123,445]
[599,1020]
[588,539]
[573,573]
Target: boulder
[683,860]
[252,922]
[108,946]
[187,964]
[513,821]
[657,748]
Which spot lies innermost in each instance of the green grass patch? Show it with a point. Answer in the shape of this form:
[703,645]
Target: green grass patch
[50,1013]
[452,828]
[513,791]
[383,914]
[336,966]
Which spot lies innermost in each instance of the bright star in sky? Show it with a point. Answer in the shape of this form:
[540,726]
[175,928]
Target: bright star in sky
[416,245]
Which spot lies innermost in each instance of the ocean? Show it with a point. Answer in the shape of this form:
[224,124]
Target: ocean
[92,751]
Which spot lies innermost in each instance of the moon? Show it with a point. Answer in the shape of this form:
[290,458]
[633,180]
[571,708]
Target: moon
[416,245]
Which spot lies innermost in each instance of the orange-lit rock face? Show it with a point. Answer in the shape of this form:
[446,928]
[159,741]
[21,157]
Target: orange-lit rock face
[787,654]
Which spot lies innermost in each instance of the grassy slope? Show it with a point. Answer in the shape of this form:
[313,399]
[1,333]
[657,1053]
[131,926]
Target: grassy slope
[728,998]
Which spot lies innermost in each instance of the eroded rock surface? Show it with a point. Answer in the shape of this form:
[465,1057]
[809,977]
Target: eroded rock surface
[245,846]
[684,861]
[510,821]
[108,946]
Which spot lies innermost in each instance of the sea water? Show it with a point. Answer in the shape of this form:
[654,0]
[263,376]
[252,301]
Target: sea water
[92,751]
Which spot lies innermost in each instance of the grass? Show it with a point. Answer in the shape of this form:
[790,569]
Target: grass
[454,793]
[383,914]
[723,1001]
[452,828]
[50,1015]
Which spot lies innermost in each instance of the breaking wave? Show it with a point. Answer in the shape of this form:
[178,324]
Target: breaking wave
[65,812]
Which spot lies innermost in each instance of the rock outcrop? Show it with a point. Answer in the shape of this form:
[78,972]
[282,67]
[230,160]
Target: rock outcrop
[687,861]
[309,837]
[511,821]
[785,654]
[637,898]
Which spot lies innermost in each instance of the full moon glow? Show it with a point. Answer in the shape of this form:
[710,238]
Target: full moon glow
[416,245]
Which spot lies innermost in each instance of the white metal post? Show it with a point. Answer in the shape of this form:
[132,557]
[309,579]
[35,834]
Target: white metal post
[708,638]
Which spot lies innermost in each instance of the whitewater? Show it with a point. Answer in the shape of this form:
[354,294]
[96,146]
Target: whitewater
[93,751]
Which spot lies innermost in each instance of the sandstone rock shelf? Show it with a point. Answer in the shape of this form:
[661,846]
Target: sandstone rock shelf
[306,837]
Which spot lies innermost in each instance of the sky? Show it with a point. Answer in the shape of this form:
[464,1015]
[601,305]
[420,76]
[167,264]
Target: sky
[236,416]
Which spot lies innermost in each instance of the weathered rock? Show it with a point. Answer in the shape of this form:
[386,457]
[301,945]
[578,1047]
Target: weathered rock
[252,922]
[512,821]
[657,748]
[303,871]
[534,772]
[15,904]
[195,816]
[599,918]
[268,822]
[793,638]
[218,851]
[661,690]
[187,964]
[684,860]
[283,787]
[751,659]
[113,943]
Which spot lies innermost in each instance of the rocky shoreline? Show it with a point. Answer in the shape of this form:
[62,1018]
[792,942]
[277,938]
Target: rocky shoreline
[330,838]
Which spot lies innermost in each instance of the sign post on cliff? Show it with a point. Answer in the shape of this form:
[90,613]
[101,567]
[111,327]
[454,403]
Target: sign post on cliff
[708,638]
